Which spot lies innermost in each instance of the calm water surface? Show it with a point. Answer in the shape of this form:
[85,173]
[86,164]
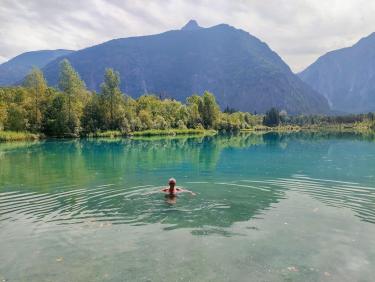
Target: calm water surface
[295,207]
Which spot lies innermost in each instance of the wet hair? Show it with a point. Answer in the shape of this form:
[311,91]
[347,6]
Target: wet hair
[172,181]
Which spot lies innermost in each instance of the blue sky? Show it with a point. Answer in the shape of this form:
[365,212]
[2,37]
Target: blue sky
[298,30]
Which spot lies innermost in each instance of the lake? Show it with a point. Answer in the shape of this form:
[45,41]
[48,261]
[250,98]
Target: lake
[271,207]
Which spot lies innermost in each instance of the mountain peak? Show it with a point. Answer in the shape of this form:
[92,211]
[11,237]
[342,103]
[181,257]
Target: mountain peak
[191,25]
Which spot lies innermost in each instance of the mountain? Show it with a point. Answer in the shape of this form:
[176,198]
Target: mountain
[191,25]
[243,72]
[17,68]
[346,77]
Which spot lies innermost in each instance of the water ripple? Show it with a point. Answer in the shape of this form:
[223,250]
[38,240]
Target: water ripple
[142,204]
[339,194]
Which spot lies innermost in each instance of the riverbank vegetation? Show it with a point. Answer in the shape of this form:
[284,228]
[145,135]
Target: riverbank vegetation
[35,109]
[275,120]
[18,136]
[70,110]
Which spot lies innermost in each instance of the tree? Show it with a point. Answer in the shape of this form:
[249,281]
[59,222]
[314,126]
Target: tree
[3,108]
[92,119]
[112,98]
[37,86]
[160,123]
[370,116]
[146,119]
[209,110]
[71,84]
[272,118]
[3,115]
[194,117]
[56,117]
[229,110]
[16,118]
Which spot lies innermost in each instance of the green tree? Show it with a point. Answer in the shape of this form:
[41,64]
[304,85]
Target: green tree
[16,118]
[56,118]
[209,110]
[71,84]
[3,108]
[194,117]
[92,119]
[112,99]
[160,123]
[146,119]
[3,115]
[37,86]
[272,118]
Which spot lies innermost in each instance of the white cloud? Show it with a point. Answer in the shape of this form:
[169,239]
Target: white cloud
[299,30]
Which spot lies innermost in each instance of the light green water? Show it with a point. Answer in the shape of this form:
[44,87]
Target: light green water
[295,207]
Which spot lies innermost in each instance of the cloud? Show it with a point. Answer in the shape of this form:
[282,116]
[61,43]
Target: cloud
[299,30]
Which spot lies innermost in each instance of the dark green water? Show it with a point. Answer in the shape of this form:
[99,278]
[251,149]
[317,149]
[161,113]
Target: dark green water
[295,207]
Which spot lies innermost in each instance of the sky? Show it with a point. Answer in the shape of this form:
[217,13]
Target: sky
[298,30]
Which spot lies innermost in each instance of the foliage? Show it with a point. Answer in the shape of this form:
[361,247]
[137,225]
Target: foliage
[173,132]
[208,110]
[72,111]
[111,101]
[106,134]
[37,87]
[75,90]
[17,136]
[272,118]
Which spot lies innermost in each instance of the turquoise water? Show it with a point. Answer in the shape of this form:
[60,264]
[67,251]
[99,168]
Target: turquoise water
[292,207]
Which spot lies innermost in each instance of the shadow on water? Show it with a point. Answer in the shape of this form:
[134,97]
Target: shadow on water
[237,177]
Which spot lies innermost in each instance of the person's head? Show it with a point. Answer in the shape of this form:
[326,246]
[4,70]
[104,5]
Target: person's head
[172,182]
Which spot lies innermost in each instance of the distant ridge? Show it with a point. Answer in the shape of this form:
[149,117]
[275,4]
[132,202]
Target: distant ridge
[346,77]
[15,69]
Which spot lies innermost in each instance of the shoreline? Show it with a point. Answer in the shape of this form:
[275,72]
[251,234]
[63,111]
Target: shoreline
[312,128]
[12,136]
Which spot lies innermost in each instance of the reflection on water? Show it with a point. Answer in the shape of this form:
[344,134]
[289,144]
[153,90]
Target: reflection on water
[116,180]
[51,188]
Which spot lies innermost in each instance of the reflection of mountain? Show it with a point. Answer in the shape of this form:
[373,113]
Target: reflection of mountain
[113,180]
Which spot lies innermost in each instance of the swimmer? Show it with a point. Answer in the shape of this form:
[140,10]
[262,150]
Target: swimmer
[172,190]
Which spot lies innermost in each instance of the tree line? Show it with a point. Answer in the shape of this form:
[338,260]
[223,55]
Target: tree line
[71,110]
[274,117]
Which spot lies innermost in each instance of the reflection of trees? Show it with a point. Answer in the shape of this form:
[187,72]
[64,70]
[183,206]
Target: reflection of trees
[44,165]
[62,166]
[303,136]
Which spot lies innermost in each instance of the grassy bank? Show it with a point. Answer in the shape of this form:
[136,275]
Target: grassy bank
[355,127]
[281,128]
[106,134]
[151,132]
[26,136]
[344,127]
[172,132]
[18,136]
